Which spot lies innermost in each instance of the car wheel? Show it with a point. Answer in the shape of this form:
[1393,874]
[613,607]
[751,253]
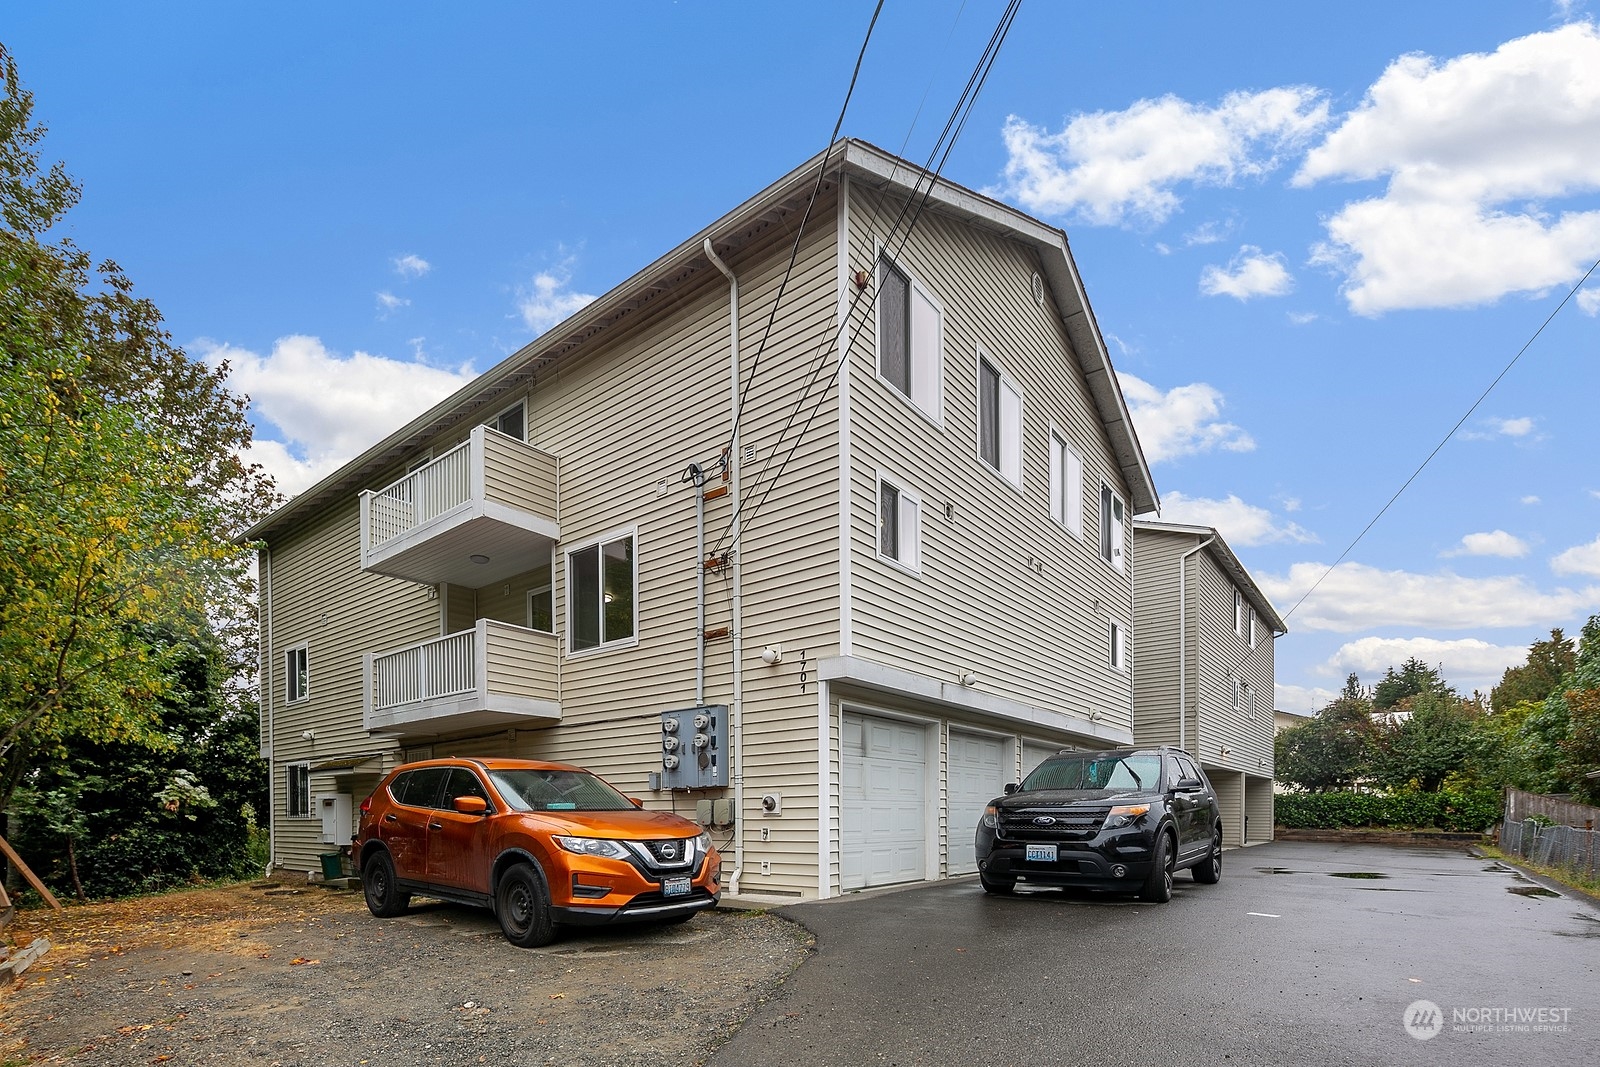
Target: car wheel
[1209,870]
[1158,887]
[522,904]
[385,899]
[1000,887]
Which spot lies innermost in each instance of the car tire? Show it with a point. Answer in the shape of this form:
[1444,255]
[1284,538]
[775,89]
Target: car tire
[522,904]
[1000,887]
[1209,870]
[385,898]
[1158,886]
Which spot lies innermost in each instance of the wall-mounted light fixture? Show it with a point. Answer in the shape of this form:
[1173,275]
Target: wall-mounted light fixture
[772,655]
[967,678]
[308,735]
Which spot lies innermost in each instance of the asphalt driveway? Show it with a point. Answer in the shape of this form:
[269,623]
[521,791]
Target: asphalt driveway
[1304,954]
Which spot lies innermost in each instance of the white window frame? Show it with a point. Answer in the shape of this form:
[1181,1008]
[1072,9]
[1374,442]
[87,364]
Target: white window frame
[599,543]
[1117,645]
[297,677]
[494,423]
[1238,613]
[1238,692]
[1008,416]
[1250,614]
[1113,531]
[927,389]
[1066,484]
[908,514]
[291,791]
[548,589]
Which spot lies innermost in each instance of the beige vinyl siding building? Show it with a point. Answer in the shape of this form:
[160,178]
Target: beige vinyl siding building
[1203,668]
[883,679]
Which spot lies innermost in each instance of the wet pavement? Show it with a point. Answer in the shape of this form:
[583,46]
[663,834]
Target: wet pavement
[1305,953]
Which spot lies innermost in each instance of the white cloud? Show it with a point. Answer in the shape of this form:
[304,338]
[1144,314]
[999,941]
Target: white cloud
[1303,318]
[1579,559]
[1472,148]
[326,408]
[1513,427]
[1238,522]
[1358,597]
[1112,166]
[1530,499]
[547,299]
[388,302]
[411,265]
[1207,233]
[1181,421]
[1589,300]
[1249,273]
[1497,543]
[1303,700]
[1468,664]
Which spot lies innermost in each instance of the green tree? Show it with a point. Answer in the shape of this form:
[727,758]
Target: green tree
[1435,737]
[120,483]
[1548,662]
[1333,750]
[1580,751]
[1413,679]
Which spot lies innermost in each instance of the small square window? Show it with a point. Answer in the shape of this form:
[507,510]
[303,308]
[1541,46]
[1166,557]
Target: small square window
[899,517]
[296,674]
[299,801]
[512,422]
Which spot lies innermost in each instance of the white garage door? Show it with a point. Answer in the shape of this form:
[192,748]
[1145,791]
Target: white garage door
[980,767]
[884,810]
[1035,753]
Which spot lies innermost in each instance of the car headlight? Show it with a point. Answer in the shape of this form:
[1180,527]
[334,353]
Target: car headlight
[594,846]
[991,817]
[703,842]
[1126,815]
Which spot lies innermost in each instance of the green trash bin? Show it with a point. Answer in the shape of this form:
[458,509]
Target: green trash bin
[332,866]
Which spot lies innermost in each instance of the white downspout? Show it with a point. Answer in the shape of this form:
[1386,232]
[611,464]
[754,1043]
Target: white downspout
[265,566]
[1183,648]
[736,715]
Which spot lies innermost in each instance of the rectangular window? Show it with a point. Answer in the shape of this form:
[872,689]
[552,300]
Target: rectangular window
[1238,692]
[1111,531]
[899,514]
[296,674]
[600,593]
[542,610]
[1238,613]
[1252,624]
[1066,485]
[1119,646]
[299,790]
[999,421]
[511,423]
[910,338]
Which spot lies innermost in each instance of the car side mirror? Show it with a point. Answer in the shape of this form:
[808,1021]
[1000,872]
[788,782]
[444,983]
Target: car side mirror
[472,805]
[636,802]
[1188,785]
[1012,787]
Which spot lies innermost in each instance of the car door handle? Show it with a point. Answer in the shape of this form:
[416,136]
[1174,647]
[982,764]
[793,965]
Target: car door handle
[436,826]
[391,817]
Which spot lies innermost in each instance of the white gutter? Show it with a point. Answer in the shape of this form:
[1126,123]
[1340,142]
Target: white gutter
[1183,649]
[736,716]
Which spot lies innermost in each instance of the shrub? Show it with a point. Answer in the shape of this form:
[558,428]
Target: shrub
[1461,811]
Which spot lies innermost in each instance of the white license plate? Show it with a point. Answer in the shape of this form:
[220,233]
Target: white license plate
[1041,853]
[676,887]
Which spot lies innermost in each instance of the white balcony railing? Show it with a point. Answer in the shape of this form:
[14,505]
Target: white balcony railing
[494,673]
[424,493]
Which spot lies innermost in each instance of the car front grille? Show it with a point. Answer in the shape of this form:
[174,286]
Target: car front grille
[1052,824]
[668,854]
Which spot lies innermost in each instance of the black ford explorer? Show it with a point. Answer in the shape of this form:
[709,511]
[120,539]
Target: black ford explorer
[1123,820]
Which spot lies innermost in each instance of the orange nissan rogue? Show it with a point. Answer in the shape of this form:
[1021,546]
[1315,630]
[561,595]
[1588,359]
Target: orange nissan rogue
[542,844]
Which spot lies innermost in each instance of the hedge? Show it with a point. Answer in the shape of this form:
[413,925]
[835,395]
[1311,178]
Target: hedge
[1458,811]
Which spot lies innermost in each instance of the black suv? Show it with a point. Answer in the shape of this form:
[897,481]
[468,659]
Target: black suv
[1123,820]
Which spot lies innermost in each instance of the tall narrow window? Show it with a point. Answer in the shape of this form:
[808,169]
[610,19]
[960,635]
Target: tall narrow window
[600,593]
[299,801]
[999,421]
[1111,527]
[1252,626]
[512,423]
[898,519]
[1066,485]
[296,674]
[1119,646]
[541,610]
[1238,613]
[910,338]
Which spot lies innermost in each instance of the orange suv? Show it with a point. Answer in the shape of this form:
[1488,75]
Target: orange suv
[542,844]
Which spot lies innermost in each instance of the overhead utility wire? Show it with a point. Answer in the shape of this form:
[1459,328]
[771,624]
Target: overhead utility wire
[1459,423]
[919,197]
[794,253]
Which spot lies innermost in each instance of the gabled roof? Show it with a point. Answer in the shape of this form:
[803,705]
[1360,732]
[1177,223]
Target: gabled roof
[782,202]
[1219,551]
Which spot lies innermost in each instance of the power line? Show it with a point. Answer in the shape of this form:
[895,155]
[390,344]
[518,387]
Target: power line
[1444,441]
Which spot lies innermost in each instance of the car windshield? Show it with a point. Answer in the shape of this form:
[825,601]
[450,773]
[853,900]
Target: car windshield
[1138,771]
[557,790]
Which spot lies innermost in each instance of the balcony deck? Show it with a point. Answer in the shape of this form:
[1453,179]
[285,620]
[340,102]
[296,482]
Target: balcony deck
[492,675]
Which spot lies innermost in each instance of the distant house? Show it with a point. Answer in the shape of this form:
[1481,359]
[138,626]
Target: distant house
[1287,720]
[1203,670]
[875,560]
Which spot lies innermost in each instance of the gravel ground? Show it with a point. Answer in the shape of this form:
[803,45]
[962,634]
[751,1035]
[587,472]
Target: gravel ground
[270,975]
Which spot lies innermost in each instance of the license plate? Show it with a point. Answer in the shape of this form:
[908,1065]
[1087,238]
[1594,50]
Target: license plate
[1041,853]
[675,887]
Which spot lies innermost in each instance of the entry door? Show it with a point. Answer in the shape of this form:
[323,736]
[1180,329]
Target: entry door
[884,808]
[980,767]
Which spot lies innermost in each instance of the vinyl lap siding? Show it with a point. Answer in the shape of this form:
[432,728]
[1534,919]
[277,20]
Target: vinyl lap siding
[1159,637]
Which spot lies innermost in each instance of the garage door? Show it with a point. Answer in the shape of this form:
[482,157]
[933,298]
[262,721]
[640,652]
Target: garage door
[884,807]
[1035,753]
[980,767]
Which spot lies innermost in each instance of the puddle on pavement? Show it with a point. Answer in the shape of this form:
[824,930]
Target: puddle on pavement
[1356,874]
[1275,870]
[1531,891]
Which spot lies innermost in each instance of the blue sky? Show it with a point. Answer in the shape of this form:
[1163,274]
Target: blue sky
[1311,236]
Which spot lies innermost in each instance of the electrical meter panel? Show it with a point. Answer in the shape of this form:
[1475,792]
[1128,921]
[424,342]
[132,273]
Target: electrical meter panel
[694,748]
